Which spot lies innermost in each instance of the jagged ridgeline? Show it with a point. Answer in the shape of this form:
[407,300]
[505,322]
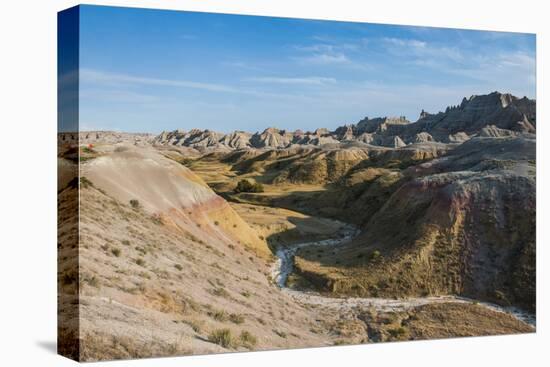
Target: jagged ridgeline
[457,124]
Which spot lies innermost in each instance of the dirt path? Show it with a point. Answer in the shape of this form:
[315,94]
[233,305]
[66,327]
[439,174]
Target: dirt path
[284,266]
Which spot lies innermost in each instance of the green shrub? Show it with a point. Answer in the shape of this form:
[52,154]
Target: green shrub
[85,159]
[179,267]
[258,187]
[220,292]
[247,186]
[397,332]
[236,318]
[195,325]
[85,183]
[221,337]
[115,251]
[218,315]
[247,339]
[135,203]
[93,281]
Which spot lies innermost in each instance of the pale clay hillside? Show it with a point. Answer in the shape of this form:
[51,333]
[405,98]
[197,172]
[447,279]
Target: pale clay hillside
[382,230]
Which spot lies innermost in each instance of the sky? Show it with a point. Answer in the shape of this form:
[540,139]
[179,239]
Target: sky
[145,70]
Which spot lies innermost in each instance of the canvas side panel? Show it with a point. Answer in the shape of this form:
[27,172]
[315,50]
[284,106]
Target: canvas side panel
[67,184]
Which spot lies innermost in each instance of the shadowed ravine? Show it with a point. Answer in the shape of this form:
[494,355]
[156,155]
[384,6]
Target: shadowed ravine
[284,266]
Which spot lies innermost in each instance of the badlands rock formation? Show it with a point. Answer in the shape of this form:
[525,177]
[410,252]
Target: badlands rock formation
[113,137]
[461,224]
[455,125]
[446,207]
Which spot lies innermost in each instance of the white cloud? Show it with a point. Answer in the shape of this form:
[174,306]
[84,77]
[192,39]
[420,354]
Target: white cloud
[412,43]
[517,59]
[95,76]
[421,50]
[325,59]
[90,126]
[325,53]
[512,72]
[97,83]
[330,51]
[314,80]
[122,96]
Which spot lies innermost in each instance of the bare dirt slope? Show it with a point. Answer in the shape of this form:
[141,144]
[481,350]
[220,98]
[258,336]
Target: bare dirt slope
[173,274]
[170,191]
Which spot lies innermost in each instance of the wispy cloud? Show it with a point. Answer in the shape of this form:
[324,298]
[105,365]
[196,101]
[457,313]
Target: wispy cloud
[117,85]
[96,76]
[121,96]
[512,68]
[331,52]
[313,80]
[90,126]
[468,62]
[421,49]
[344,70]
[517,59]
[412,43]
[325,59]
[315,48]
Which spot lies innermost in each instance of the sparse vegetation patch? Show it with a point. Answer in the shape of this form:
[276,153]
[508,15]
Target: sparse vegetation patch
[247,186]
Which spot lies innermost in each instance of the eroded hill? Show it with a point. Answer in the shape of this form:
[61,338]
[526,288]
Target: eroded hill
[463,224]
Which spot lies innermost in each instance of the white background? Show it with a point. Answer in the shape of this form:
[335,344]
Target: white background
[28,182]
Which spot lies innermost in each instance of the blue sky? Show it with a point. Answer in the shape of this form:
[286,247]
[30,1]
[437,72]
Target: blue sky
[153,70]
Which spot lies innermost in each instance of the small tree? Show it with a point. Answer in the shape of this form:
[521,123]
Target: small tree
[134,203]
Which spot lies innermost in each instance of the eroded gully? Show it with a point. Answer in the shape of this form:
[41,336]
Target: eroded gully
[284,265]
